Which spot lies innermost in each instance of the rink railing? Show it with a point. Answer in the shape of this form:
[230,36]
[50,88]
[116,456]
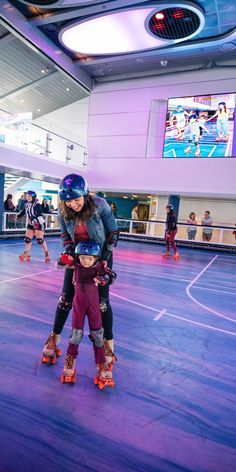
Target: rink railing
[155,230]
[136,229]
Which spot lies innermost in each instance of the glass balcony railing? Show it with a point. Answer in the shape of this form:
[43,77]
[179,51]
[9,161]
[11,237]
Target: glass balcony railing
[221,235]
[11,226]
[18,131]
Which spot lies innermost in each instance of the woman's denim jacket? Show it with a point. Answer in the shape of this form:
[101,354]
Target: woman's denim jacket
[100,227]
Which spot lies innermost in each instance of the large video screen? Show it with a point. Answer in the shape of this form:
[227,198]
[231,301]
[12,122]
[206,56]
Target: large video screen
[201,126]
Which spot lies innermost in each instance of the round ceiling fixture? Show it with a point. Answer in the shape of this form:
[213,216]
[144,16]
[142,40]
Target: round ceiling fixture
[230,46]
[175,22]
[133,29]
[40,3]
[60,3]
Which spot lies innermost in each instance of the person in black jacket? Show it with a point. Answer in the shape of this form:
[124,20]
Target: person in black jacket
[45,206]
[9,207]
[35,226]
[170,232]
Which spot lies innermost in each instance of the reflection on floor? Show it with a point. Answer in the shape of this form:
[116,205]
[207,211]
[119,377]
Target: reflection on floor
[173,407]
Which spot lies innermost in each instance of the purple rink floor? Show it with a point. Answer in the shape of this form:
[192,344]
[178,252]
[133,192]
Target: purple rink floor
[174,404]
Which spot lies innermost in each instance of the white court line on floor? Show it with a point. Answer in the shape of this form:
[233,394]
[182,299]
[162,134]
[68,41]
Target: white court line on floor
[157,275]
[202,324]
[12,244]
[201,304]
[214,290]
[27,276]
[159,316]
[212,328]
[135,303]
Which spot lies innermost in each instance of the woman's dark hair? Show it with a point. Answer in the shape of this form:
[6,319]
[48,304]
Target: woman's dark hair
[224,105]
[86,212]
[192,213]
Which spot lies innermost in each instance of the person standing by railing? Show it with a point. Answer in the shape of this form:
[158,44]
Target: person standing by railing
[9,206]
[20,205]
[35,226]
[207,221]
[192,230]
[45,206]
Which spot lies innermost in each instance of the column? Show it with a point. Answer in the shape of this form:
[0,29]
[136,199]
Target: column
[175,201]
[1,200]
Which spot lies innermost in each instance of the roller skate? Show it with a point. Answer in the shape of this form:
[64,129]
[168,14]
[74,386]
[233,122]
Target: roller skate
[50,350]
[218,139]
[187,150]
[104,377]
[109,354]
[69,371]
[25,257]
[176,256]
[197,153]
[47,256]
[225,139]
[166,255]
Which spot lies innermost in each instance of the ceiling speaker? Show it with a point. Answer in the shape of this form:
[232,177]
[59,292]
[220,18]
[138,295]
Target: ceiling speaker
[177,22]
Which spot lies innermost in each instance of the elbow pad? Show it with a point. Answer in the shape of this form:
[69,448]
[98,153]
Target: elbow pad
[112,239]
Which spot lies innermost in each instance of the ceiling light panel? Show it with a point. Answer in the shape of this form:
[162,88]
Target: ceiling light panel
[116,33]
[60,3]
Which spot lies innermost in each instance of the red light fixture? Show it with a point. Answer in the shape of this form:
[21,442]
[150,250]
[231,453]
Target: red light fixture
[178,13]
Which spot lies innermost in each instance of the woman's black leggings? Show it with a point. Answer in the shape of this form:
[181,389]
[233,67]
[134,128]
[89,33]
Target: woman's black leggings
[66,299]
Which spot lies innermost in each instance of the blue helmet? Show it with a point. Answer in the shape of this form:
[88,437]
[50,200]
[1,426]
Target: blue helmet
[179,107]
[32,194]
[72,186]
[193,116]
[222,103]
[88,248]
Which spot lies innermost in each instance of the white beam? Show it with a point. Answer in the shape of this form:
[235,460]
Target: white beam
[15,22]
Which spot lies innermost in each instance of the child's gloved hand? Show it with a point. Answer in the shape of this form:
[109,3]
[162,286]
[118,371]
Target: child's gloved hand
[65,259]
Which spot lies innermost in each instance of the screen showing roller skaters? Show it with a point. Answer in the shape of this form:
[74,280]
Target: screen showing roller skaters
[201,126]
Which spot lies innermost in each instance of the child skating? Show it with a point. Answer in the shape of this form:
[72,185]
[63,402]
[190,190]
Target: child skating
[35,226]
[194,126]
[170,233]
[89,272]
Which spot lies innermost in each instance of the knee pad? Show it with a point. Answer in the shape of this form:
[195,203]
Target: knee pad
[96,336]
[64,304]
[27,240]
[76,336]
[40,241]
